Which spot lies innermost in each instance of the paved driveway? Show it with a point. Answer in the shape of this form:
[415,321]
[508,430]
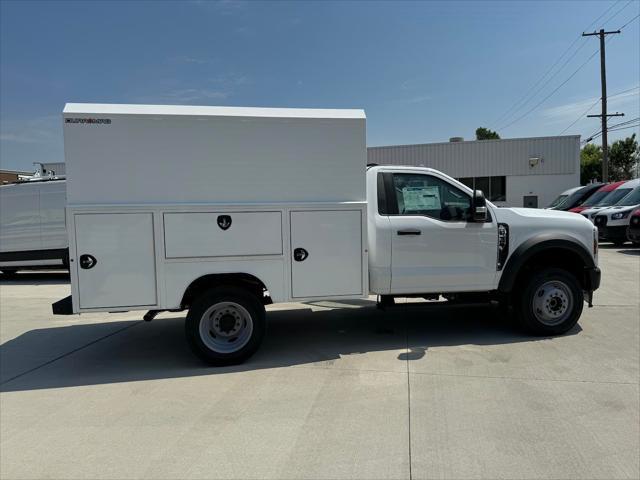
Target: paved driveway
[336,391]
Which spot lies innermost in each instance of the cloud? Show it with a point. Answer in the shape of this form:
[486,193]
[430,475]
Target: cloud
[44,129]
[413,100]
[223,7]
[570,111]
[193,60]
[229,80]
[191,94]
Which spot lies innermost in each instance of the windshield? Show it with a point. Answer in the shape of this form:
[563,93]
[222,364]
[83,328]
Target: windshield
[632,199]
[595,198]
[558,201]
[613,197]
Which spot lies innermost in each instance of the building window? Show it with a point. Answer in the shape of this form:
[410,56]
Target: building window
[498,189]
[494,188]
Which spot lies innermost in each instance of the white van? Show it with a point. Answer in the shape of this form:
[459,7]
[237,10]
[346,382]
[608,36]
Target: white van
[32,225]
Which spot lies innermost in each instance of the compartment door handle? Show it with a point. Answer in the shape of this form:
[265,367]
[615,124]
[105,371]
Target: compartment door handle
[300,254]
[87,261]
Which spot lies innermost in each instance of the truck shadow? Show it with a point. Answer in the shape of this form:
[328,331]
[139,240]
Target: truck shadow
[35,277]
[129,351]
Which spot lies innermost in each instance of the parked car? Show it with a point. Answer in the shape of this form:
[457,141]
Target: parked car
[276,205]
[633,230]
[612,222]
[610,199]
[597,197]
[577,197]
[32,225]
[560,199]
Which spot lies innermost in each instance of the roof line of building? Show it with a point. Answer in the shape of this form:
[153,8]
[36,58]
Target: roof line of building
[476,141]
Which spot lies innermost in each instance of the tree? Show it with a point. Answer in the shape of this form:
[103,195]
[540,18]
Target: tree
[486,134]
[590,163]
[623,159]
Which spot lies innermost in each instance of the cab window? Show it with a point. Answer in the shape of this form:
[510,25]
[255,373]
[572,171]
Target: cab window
[427,195]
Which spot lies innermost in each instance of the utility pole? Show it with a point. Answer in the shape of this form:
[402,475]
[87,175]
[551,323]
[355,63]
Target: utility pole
[603,115]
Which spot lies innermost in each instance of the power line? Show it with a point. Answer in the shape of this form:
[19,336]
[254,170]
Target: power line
[526,95]
[629,22]
[554,91]
[615,14]
[581,116]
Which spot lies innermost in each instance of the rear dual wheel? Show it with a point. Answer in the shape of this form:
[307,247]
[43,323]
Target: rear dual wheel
[225,326]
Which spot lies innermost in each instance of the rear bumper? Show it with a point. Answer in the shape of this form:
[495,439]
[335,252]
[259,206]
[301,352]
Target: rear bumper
[62,307]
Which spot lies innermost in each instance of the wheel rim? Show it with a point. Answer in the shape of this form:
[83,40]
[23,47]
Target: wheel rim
[552,302]
[226,327]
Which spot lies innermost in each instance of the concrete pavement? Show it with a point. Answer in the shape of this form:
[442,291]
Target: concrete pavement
[336,391]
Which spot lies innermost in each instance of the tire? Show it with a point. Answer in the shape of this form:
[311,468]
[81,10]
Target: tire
[225,326]
[551,302]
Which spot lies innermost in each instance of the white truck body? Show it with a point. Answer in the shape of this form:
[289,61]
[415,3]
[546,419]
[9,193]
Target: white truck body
[201,204]
[32,224]
[286,178]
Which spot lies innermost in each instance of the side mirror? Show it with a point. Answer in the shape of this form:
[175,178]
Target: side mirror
[478,207]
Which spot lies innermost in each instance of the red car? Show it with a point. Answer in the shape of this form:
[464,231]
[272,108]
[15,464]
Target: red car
[596,197]
[633,230]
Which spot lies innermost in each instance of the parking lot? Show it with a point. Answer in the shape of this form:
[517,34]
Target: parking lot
[336,391]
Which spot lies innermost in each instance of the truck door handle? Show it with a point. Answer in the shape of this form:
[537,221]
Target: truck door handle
[409,232]
[87,261]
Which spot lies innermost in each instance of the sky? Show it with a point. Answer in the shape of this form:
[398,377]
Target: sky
[423,71]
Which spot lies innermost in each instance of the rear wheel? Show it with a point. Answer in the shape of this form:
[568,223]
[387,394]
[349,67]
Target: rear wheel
[551,302]
[225,326]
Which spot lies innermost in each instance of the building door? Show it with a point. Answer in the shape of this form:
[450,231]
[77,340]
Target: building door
[530,201]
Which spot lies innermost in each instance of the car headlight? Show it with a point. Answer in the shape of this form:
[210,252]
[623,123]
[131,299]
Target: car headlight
[620,215]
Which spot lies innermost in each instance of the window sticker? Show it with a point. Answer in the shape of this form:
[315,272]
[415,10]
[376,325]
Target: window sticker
[421,198]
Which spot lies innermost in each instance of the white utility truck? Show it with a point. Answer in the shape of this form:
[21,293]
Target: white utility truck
[220,210]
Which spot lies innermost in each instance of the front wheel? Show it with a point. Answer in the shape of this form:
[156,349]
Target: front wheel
[225,326]
[551,302]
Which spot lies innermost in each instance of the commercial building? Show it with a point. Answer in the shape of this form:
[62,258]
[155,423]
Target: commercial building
[514,172]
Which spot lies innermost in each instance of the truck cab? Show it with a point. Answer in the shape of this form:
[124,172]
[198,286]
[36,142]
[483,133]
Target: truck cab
[430,235]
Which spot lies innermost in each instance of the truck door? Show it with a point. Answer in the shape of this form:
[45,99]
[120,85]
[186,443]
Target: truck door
[434,247]
[115,260]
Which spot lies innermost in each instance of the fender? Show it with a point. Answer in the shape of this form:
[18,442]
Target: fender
[537,244]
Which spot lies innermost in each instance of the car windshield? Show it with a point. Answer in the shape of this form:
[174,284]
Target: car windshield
[595,198]
[558,201]
[613,197]
[631,199]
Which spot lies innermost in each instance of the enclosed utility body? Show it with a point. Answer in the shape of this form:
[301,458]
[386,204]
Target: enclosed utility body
[161,197]
[223,210]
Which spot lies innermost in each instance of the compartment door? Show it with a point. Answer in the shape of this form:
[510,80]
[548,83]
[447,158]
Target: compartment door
[326,247]
[115,260]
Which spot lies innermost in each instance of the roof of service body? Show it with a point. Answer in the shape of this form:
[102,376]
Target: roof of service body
[192,110]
